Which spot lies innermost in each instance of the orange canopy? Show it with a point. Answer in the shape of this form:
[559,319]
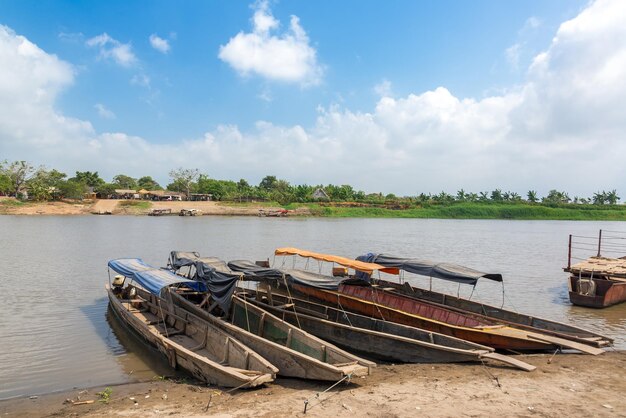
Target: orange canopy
[343,261]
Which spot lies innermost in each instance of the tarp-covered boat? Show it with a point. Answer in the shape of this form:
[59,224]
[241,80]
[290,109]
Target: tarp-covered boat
[374,337]
[461,274]
[367,300]
[198,347]
[295,352]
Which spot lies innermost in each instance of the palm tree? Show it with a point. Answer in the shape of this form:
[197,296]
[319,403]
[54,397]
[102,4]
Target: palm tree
[612,197]
[496,195]
[599,198]
[532,196]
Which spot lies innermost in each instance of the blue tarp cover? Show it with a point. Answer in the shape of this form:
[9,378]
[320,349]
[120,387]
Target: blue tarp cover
[150,278]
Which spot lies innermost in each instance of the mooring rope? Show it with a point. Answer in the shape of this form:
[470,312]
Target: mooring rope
[491,375]
[317,395]
[291,301]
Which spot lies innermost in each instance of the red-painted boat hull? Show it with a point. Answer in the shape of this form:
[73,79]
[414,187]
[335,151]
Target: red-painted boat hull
[396,314]
[606,293]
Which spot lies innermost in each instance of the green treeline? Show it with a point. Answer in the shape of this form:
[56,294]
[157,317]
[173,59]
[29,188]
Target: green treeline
[22,180]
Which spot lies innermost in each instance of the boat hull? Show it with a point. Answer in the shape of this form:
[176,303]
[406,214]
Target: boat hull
[495,337]
[603,294]
[517,320]
[275,340]
[178,355]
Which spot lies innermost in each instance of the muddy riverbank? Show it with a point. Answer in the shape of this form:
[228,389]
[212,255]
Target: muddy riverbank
[569,385]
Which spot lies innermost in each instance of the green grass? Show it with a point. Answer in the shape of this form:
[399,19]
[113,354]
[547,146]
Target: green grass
[135,204]
[11,202]
[249,204]
[481,211]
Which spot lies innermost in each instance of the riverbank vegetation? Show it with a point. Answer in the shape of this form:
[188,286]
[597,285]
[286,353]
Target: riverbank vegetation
[22,180]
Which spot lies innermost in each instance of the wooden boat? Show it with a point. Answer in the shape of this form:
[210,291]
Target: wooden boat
[503,316]
[376,338]
[466,326]
[483,312]
[367,300]
[597,282]
[404,311]
[295,352]
[200,348]
[596,292]
[160,212]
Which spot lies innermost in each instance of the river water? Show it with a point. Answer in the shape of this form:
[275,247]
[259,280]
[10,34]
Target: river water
[55,333]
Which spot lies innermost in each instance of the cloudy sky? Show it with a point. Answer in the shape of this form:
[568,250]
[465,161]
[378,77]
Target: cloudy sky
[403,97]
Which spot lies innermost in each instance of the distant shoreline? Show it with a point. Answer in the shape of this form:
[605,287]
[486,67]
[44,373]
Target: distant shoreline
[507,211]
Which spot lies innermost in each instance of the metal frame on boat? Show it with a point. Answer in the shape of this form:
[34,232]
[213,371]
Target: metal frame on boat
[390,306]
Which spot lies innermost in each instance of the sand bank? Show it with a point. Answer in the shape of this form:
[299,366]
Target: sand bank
[571,385]
[9,206]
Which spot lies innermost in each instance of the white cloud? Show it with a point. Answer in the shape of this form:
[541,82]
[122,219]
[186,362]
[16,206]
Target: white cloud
[383,88]
[532,22]
[563,128]
[286,57]
[160,44]
[112,49]
[103,112]
[513,55]
[140,80]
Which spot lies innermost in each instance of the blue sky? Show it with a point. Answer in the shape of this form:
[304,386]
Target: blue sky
[424,86]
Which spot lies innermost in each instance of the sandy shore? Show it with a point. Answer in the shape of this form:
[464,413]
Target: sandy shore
[571,385]
[8,206]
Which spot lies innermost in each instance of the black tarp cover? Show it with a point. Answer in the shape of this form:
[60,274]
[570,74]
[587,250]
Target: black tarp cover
[179,259]
[213,272]
[444,271]
[253,271]
[220,280]
[307,278]
[319,281]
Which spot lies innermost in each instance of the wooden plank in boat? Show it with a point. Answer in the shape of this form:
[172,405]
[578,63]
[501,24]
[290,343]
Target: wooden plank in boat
[566,343]
[509,360]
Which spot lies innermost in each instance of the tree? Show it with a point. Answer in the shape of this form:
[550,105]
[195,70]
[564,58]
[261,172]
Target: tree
[612,197]
[461,196]
[5,183]
[185,178]
[88,178]
[18,172]
[148,183]
[555,197]
[303,193]
[44,184]
[531,196]
[268,183]
[106,189]
[73,189]
[496,195]
[125,182]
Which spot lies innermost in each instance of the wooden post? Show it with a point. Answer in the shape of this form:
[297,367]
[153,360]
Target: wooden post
[599,242]
[569,253]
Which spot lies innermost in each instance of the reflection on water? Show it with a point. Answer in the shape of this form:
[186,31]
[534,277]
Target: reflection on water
[54,331]
[137,359]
